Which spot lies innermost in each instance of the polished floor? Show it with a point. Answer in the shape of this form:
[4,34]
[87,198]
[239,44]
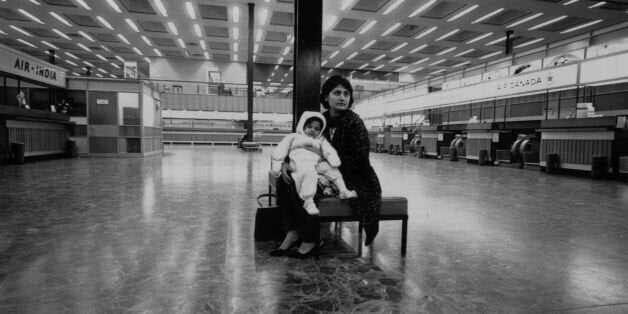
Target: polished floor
[174,234]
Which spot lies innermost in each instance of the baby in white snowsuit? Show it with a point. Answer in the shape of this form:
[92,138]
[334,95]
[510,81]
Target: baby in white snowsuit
[310,155]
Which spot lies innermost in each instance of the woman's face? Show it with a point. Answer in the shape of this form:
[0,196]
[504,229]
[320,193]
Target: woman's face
[339,98]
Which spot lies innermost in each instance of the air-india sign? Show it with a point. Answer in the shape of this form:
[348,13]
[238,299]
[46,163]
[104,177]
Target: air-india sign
[23,65]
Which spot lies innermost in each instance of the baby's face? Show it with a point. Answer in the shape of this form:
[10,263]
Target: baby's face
[312,129]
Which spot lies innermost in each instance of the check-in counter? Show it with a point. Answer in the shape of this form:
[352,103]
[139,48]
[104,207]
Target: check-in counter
[433,138]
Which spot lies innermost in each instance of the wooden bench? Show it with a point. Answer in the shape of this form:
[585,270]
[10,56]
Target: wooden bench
[336,210]
[251,146]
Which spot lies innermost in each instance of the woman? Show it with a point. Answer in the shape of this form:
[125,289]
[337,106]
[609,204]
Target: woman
[348,135]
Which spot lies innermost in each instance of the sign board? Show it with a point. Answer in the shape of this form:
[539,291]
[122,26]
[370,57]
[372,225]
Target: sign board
[130,70]
[102,101]
[23,65]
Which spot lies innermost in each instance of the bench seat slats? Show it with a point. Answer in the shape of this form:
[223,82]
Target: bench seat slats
[333,207]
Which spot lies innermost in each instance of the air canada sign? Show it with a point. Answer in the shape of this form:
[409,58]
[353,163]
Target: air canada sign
[37,70]
[515,83]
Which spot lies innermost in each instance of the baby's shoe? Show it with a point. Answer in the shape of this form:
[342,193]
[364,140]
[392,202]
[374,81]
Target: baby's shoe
[310,207]
[347,194]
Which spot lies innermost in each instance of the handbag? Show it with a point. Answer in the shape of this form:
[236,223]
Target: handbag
[268,220]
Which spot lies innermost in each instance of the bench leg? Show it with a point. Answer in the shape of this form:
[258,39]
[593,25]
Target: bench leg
[359,239]
[404,236]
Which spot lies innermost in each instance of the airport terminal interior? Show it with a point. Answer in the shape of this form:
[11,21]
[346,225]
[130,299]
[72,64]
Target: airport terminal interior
[136,137]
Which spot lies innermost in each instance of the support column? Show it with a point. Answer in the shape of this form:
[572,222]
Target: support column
[308,32]
[249,74]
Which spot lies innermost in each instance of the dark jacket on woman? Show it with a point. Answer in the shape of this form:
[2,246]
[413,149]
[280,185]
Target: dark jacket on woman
[351,140]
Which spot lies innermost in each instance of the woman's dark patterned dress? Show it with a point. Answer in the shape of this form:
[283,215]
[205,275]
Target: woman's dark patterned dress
[350,138]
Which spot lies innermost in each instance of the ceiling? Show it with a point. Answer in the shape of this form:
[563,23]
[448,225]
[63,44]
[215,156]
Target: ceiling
[421,37]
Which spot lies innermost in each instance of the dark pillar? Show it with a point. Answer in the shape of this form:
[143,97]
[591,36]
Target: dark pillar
[509,41]
[249,74]
[308,32]
[88,71]
[51,56]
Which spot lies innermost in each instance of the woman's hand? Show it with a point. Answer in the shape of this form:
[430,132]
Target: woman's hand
[285,175]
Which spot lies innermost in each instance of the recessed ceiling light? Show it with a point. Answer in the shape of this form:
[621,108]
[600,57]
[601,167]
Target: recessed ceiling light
[235,57]
[70,62]
[490,55]
[235,47]
[99,75]
[258,35]
[21,30]
[126,41]
[181,43]
[26,43]
[422,8]
[527,43]
[255,48]
[119,58]
[138,51]
[189,7]
[61,19]
[236,33]
[104,22]
[84,47]
[348,42]
[464,53]
[105,48]
[235,14]
[391,29]
[114,65]
[368,26]
[173,28]
[363,66]
[32,17]
[345,5]
[378,67]
[425,33]
[61,34]
[599,4]
[146,40]
[330,22]
[49,45]
[114,5]
[395,59]
[547,22]
[461,64]
[448,34]
[101,57]
[263,15]
[82,33]
[339,64]
[334,54]
[379,57]
[487,16]
[570,2]
[417,69]
[369,44]
[437,71]
[581,26]
[496,41]
[399,46]
[161,8]
[206,54]
[446,51]
[393,6]
[286,51]
[531,17]
[35,2]
[102,70]
[479,37]
[324,62]
[352,55]
[132,24]
[438,62]
[147,59]
[83,4]
[466,11]
[197,30]
[71,55]
[280,60]
[401,68]
[418,48]
[157,52]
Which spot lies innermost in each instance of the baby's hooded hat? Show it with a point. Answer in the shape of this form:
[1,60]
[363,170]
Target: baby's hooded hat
[307,115]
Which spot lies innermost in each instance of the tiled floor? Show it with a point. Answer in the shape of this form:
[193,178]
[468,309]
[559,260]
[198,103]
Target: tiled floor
[174,234]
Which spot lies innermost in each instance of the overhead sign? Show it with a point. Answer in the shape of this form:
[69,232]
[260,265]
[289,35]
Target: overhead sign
[23,65]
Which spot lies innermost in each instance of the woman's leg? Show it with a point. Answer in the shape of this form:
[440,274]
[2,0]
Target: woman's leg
[294,216]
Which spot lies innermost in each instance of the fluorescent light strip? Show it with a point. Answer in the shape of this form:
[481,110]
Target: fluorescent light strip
[466,11]
[113,76]
[345,5]
[190,8]
[285,50]
[114,5]
[255,48]
[496,41]
[421,61]
[529,43]
[61,34]
[401,68]
[323,63]
[599,4]
[258,35]
[157,52]
[235,48]
[334,54]
[32,17]
[99,75]
[102,70]
[448,34]
[26,43]
[236,33]
[101,57]
[464,53]
[146,40]
[378,67]
[119,58]
[366,73]
[114,65]
[263,16]
[352,55]
[417,69]
[197,29]
[147,59]
[461,64]
[235,14]
[524,20]
[339,64]
[138,51]
[391,29]
[400,46]
[425,33]
[3,32]
[82,33]
[206,54]
[181,43]
[369,44]
[570,2]
[446,51]
[368,26]
[393,6]
[35,2]
[49,45]
[203,44]
[487,16]
[379,57]
[60,18]
[235,57]
[280,60]
[492,54]
[76,74]
[395,59]
[422,8]
[438,62]
[132,24]
[105,48]
[104,22]
[84,47]
[83,4]
[418,48]
[126,41]
[363,66]
[437,71]
[581,26]
[173,28]
[349,42]
[479,38]
[330,22]
[21,30]
[161,8]
[547,22]
[71,55]
[70,62]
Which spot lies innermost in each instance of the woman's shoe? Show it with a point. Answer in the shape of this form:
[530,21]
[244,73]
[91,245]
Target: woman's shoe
[313,252]
[284,252]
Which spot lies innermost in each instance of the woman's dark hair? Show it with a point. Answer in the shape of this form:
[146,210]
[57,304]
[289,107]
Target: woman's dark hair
[310,119]
[330,84]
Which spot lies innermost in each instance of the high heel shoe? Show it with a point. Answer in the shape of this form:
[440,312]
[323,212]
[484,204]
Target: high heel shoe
[313,252]
[283,252]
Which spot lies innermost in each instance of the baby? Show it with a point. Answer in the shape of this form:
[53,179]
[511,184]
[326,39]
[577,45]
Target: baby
[310,155]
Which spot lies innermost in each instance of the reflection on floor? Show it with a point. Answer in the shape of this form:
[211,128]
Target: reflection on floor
[174,234]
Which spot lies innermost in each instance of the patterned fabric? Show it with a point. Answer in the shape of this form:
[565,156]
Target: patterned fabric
[351,141]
